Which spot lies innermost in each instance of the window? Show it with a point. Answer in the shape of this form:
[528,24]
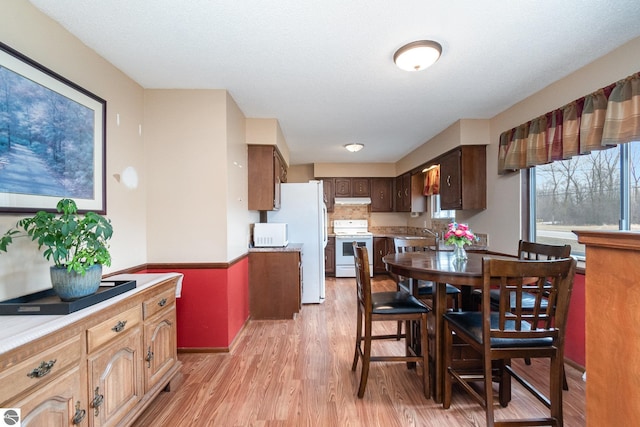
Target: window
[598,191]
[436,212]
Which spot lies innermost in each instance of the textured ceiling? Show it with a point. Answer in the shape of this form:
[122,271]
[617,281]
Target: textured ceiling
[324,69]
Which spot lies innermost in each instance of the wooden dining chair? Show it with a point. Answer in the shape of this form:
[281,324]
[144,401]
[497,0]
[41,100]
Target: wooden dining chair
[506,333]
[425,289]
[535,251]
[387,306]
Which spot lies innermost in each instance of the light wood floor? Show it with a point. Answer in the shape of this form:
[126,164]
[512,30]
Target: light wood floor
[298,373]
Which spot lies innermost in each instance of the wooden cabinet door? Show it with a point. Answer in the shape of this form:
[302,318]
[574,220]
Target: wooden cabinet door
[380,249]
[343,187]
[403,193]
[406,192]
[330,257]
[463,178]
[450,184]
[115,379]
[277,180]
[360,187]
[381,195]
[61,403]
[274,284]
[266,170]
[329,196]
[159,346]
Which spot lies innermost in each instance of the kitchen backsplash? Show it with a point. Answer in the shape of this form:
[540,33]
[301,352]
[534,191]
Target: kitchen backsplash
[438,225]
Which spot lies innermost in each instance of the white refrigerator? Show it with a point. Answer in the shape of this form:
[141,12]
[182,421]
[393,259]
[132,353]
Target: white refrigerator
[302,207]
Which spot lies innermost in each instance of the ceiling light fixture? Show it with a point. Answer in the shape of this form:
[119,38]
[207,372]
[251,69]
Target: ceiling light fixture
[417,55]
[353,147]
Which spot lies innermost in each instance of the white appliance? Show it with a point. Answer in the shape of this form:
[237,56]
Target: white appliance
[347,231]
[270,234]
[302,208]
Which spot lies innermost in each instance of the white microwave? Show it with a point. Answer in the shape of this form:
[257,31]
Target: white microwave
[270,234]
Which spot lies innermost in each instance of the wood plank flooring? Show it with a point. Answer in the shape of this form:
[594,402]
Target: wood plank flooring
[298,373]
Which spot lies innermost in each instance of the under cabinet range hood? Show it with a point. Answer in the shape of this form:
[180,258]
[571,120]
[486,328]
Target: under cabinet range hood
[353,201]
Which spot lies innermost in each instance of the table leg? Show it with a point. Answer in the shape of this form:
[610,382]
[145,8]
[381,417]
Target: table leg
[439,308]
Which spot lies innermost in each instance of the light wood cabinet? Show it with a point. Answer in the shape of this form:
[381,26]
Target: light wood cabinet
[463,178]
[96,371]
[59,403]
[612,342]
[115,378]
[381,195]
[267,170]
[275,284]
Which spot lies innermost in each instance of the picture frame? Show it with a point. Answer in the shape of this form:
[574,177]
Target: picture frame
[52,139]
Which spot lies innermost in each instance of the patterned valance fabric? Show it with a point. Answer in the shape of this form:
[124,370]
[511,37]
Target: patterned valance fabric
[602,119]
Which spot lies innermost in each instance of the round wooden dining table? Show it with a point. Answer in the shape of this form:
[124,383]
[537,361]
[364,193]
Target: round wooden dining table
[440,268]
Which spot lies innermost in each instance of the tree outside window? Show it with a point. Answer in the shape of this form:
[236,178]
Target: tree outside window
[587,192]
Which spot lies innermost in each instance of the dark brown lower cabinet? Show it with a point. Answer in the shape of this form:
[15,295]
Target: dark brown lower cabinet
[275,287]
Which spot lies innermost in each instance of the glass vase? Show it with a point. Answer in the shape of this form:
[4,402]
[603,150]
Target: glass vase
[459,254]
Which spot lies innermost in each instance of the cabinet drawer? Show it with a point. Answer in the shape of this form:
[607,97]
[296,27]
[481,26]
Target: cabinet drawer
[38,369]
[158,302]
[112,328]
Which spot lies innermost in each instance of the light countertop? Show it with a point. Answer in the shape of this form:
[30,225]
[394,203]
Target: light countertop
[22,329]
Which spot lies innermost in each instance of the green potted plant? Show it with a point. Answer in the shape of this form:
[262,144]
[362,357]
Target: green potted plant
[76,243]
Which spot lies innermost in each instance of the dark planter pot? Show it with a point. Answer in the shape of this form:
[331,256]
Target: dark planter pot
[70,286]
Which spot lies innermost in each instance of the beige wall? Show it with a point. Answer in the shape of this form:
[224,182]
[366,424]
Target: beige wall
[354,170]
[267,132]
[187,160]
[25,29]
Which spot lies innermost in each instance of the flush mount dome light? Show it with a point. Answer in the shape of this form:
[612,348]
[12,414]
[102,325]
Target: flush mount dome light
[354,147]
[417,55]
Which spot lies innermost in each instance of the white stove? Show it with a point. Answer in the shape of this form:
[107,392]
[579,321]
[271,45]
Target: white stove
[347,231]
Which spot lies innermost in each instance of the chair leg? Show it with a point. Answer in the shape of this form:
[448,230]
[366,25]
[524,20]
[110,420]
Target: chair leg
[488,390]
[399,333]
[448,357]
[424,348]
[410,341]
[356,356]
[555,389]
[565,384]
[366,359]
[505,383]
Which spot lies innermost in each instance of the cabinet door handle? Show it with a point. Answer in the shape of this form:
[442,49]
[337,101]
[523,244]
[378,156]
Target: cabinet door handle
[162,302]
[79,415]
[448,180]
[149,357]
[119,326]
[97,401]
[42,370]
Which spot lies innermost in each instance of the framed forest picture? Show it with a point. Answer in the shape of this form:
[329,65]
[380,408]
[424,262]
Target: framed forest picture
[52,139]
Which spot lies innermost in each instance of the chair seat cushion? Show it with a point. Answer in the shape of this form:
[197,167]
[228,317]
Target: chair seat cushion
[396,303]
[471,323]
[528,300]
[426,288]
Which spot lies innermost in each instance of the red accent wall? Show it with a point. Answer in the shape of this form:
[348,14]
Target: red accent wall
[214,305]
[574,339]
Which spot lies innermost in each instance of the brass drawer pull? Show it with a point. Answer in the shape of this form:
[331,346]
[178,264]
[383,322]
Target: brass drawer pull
[119,326]
[162,302]
[97,401]
[79,415]
[42,370]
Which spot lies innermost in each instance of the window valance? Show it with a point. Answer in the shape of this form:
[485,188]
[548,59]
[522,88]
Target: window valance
[602,119]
